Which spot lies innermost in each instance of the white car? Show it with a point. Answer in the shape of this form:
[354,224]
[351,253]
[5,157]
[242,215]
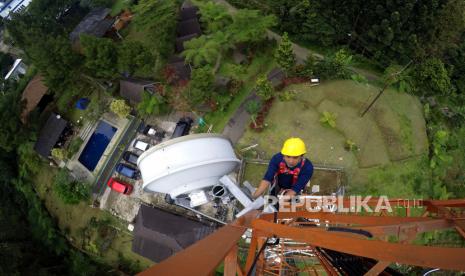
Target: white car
[141,145]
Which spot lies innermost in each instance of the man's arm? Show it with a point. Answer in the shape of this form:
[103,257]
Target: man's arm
[264,184]
[304,176]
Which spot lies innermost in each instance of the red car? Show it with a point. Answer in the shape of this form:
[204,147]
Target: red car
[119,186]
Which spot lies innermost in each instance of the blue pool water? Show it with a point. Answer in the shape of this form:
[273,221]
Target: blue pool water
[96,145]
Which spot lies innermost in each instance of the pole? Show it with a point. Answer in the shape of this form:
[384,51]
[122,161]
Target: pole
[386,84]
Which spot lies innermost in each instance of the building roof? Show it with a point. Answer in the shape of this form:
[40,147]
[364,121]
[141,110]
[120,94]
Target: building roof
[188,13]
[94,23]
[132,89]
[32,95]
[49,134]
[180,42]
[159,234]
[189,27]
[181,70]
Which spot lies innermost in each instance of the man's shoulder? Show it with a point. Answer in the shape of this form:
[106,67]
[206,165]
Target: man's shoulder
[308,163]
[278,157]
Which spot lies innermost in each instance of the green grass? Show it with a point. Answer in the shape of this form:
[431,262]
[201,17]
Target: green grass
[406,179]
[72,219]
[384,135]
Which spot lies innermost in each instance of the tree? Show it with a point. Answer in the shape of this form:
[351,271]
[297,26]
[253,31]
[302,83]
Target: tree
[249,26]
[95,3]
[432,78]
[5,62]
[157,19]
[101,56]
[120,108]
[134,56]
[214,16]
[201,51]
[201,85]
[253,107]
[335,66]
[284,54]
[70,191]
[152,104]
[13,133]
[263,88]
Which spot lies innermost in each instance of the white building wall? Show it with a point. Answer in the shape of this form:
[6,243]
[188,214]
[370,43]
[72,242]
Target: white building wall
[14,6]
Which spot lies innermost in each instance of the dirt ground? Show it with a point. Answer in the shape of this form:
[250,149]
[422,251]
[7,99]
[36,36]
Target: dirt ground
[393,130]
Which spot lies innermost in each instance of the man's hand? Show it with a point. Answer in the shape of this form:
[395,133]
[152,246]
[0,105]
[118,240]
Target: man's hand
[290,192]
[261,188]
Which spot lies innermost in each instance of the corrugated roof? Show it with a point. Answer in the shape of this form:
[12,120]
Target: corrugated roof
[189,27]
[94,23]
[159,234]
[188,13]
[132,89]
[49,134]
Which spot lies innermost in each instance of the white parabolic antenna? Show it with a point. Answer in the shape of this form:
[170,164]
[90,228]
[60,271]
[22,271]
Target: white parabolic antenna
[188,163]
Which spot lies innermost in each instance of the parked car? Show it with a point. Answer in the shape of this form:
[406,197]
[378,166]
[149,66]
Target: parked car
[141,145]
[154,132]
[130,157]
[183,126]
[127,170]
[119,186]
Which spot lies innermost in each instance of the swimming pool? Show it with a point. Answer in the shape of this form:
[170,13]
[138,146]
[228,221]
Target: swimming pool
[96,145]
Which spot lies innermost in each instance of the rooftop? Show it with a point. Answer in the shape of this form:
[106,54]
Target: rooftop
[50,134]
[95,23]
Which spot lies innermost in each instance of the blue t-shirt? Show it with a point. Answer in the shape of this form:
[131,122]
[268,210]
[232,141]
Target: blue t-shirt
[285,180]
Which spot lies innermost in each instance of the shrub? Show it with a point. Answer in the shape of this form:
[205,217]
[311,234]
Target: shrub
[263,88]
[350,145]
[59,153]
[68,190]
[120,108]
[328,119]
[287,95]
[74,146]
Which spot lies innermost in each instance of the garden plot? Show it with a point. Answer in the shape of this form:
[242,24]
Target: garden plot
[393,130]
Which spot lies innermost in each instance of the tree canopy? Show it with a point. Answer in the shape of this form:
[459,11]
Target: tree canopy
[101,56]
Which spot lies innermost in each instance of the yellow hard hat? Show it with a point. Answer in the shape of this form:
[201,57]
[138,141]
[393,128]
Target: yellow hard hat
[294,147]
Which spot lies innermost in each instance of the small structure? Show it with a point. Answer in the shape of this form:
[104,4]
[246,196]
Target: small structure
[132,89]
[51,134]
[177,69]
[159,234]
[180,41]
[189,27]
[18,68]
[96,23]
[7,7]
[32,95]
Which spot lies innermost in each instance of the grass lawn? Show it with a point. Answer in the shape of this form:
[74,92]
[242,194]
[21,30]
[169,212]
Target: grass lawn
[73,220]
[392,131]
